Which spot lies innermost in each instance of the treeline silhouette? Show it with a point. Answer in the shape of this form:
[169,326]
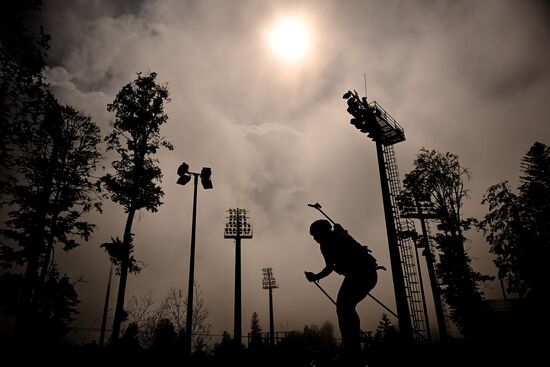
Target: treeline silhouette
[50,159]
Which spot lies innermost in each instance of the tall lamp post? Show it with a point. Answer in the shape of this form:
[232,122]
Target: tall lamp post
[237,228]
[269,282]
[184,177]
[105,308]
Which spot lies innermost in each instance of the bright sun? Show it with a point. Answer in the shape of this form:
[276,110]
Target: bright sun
[289,39]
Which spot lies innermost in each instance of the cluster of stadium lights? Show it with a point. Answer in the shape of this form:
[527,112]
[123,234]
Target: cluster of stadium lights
[268,281]
[360,110]
[373,120]
[237,225]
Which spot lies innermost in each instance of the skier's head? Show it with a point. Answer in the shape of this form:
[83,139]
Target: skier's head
[320,229]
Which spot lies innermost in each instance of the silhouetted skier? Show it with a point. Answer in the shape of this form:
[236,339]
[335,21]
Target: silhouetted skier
[347,257]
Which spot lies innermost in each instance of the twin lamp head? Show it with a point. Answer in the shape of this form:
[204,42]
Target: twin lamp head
[185,176]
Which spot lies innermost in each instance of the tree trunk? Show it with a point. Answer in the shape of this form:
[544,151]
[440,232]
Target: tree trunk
[48,253]
[25,310]
[127,243]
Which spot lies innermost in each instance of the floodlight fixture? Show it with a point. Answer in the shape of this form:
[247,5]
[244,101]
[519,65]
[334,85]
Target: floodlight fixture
[185,176]
[183,173]
[268,280]
[237,225]
[373,120]
[183,180]
[205,178]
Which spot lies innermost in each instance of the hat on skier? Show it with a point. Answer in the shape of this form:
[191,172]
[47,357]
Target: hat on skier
[320,226]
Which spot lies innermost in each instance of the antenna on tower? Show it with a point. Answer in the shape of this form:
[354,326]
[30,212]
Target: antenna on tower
[365,80]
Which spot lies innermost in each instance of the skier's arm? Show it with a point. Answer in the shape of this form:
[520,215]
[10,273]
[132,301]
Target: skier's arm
[329,268]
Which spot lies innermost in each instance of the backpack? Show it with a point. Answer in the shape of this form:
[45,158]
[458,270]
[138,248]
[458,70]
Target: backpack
[361,253]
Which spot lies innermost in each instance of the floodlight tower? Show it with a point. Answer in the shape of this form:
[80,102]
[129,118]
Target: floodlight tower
[269,282]
[206,181]
[237,228]
[372,119]
[105,308]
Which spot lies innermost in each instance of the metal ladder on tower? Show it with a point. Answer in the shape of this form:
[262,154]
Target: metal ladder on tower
[404,227]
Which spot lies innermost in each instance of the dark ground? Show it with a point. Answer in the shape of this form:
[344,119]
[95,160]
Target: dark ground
[454,354]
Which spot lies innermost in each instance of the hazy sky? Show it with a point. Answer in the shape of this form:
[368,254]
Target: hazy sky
[468,77]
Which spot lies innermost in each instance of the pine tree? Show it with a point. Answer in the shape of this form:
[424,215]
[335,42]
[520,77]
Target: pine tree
[255,333]
[535,196]
[516,226]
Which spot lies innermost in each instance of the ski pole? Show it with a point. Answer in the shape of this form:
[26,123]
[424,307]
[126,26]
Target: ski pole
[363,334]
[383,305]
[370,295]
[322,290]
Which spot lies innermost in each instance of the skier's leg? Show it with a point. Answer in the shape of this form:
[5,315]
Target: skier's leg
[348,319]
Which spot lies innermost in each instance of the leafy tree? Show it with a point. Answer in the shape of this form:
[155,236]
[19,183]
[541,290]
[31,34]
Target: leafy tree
[48,154]
[226,347]
[53,311]
[56,307]
[164,336]
[129,343]
[22,60]
[117,251]
[504,231]
[314,343]
[22,50]
[385,329]
[516,226]
[326,332]
[319,338]
[53,187]
[255,332]
[139,114]
[440,177]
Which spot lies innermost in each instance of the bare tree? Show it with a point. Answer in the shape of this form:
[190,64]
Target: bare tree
[174,308]
[142,311]
[201,327]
